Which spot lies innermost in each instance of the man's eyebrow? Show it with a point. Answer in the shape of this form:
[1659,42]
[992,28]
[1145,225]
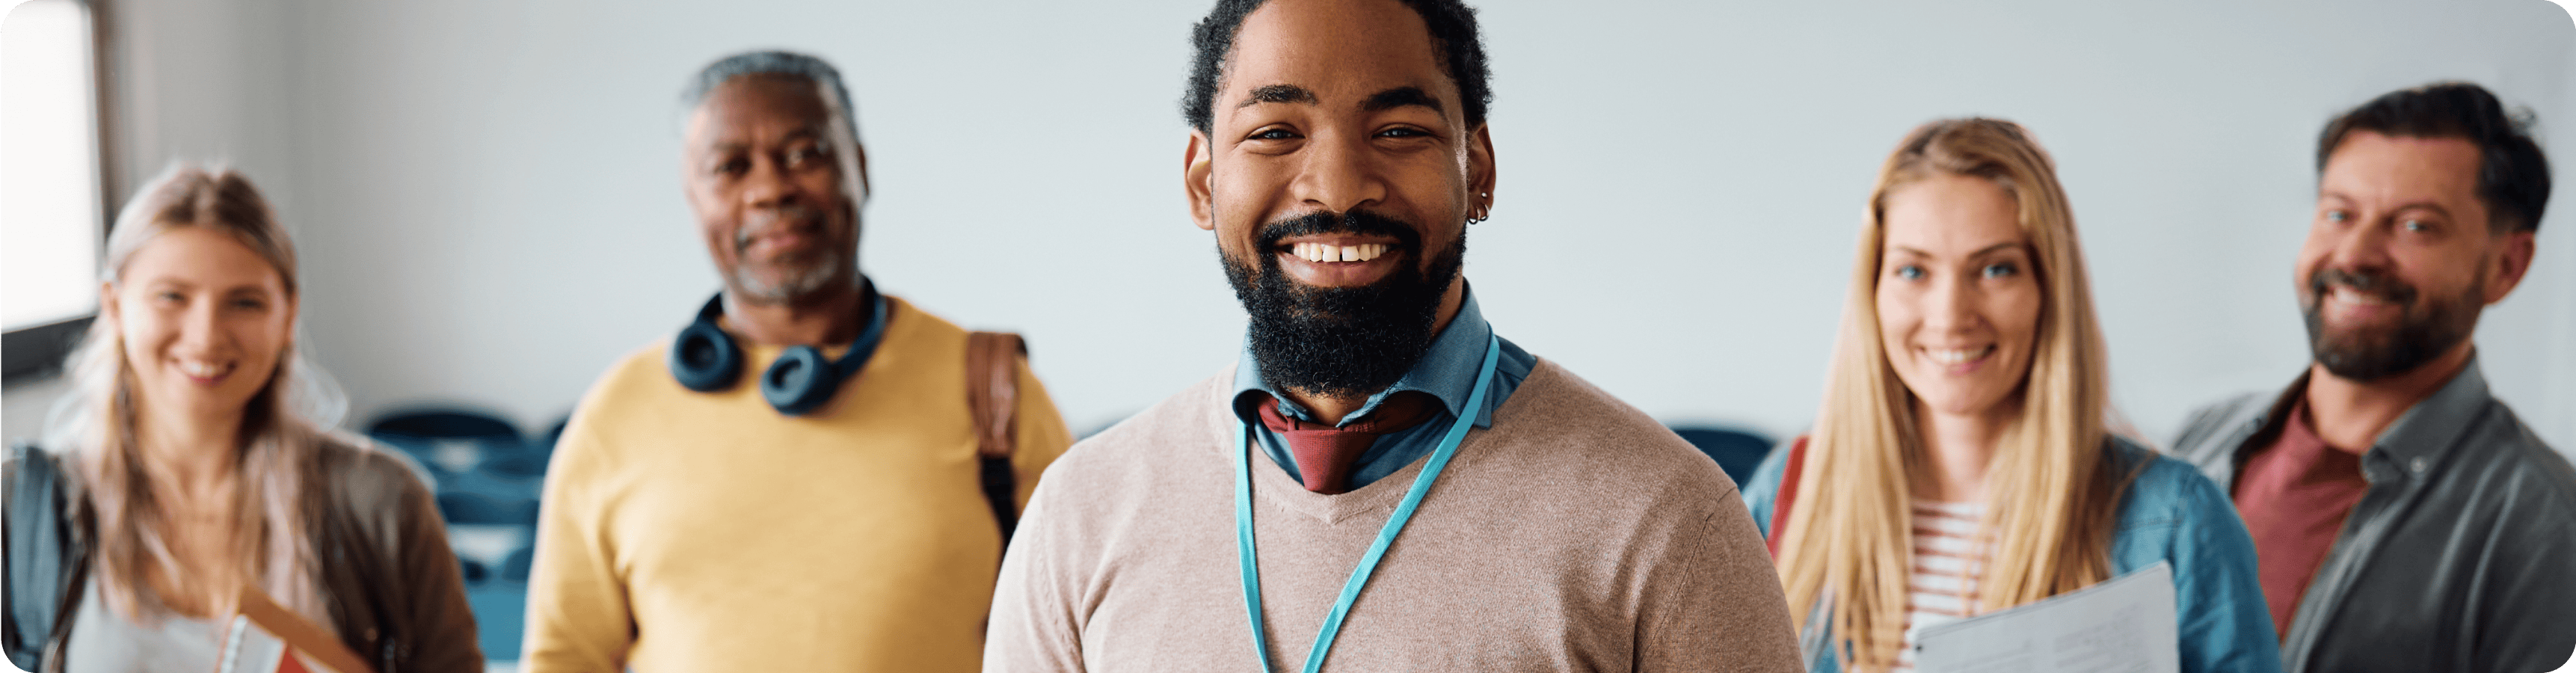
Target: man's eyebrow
[1400,97]
[2422,205]
[819,132]
[1278,93]
[2434,206]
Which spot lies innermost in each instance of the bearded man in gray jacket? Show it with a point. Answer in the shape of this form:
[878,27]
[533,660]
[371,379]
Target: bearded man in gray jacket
[2404,519]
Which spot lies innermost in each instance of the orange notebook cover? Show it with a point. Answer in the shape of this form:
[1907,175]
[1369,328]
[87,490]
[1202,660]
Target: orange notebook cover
[268,638]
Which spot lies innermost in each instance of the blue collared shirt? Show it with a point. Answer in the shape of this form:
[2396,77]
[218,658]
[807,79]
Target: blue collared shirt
[1447,371]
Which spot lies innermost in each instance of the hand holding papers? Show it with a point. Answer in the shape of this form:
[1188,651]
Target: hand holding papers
[268,638]
[2125,624]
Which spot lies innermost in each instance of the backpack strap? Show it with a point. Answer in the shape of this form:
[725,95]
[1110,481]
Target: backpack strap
[993,398]
[39,553]
[1787,494]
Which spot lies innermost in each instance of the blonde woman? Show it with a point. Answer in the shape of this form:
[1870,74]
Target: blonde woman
[193,466]
[1960,463]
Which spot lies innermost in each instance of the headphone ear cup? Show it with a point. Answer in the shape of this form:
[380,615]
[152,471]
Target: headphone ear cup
[800,381]
[705,359]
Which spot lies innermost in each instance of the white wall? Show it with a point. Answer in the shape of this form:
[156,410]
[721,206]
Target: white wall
[487,192]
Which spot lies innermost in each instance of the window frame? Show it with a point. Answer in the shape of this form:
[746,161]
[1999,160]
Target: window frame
[36,352]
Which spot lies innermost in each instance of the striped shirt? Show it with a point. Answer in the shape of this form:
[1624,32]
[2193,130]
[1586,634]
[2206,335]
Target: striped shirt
[1948,559]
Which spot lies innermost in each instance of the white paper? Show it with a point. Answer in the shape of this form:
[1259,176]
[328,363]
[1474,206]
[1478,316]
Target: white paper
[2125,625]
[250,649]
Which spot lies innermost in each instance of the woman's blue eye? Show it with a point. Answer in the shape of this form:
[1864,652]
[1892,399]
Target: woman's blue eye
[2001,269]
[1909,272]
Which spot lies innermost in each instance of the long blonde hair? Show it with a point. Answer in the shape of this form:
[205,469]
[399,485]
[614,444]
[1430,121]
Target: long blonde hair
[283,425]
[1848,544]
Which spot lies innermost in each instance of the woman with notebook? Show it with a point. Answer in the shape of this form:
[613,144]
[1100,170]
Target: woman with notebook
[1961,462]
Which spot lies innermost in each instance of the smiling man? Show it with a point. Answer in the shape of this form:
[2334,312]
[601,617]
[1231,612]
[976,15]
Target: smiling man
[1381,482]
[2405,520]
[797,481]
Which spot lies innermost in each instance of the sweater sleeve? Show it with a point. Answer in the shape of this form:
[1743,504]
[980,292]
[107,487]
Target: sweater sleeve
[1713,601]
[1033,628]
[577,619]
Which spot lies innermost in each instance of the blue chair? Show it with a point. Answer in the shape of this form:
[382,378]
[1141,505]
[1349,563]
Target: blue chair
[515,568]
[554,434]
[500,613]
[426,433]
[527,464]
[524,464]
[1736,451]
[466,508]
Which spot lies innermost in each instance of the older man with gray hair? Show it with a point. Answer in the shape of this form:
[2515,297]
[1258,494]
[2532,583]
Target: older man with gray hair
[845,508]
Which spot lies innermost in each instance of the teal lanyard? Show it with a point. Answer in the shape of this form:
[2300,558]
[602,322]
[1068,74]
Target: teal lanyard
[1385,536]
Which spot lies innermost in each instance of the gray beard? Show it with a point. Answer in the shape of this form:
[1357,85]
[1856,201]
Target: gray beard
[811,281]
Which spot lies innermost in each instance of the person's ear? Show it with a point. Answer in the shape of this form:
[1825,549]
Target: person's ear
[1198,177]
[294,306]
[689,180]
[107,306]
[1480,171]
[865,191]
[2510,265]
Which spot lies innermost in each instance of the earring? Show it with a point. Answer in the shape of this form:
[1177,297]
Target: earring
[1484,209]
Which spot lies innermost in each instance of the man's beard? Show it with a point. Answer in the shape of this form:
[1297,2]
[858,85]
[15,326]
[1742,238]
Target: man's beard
[794,278]
[2426,327]
[1341,341]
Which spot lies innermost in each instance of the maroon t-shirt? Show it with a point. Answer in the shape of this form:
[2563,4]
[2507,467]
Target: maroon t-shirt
[2294,495]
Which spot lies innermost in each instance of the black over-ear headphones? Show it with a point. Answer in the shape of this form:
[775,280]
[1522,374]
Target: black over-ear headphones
[705,359]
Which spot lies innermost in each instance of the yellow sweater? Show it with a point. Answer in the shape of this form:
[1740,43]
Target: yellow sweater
[687,531]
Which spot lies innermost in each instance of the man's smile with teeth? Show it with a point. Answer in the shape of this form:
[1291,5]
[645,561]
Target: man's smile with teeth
[1327,252]
[2351,296]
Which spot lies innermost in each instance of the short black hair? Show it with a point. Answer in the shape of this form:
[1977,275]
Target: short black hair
[1453,36]
[2513,174]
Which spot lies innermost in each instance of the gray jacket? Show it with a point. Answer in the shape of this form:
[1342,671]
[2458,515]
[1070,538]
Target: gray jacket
[2461,555]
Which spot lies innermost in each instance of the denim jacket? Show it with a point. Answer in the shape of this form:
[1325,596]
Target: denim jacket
[2169,513]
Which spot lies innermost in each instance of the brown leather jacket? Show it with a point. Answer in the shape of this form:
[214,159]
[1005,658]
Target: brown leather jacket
[393,587]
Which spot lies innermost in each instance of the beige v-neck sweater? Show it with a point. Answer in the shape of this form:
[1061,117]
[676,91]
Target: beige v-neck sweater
[1576,534]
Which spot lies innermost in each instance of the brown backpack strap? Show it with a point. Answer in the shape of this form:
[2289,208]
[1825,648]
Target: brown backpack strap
[993,398]
[1787,494]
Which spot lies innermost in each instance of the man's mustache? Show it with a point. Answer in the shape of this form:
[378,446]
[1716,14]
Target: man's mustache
[763,221]
[2368,282]
[1355,221]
